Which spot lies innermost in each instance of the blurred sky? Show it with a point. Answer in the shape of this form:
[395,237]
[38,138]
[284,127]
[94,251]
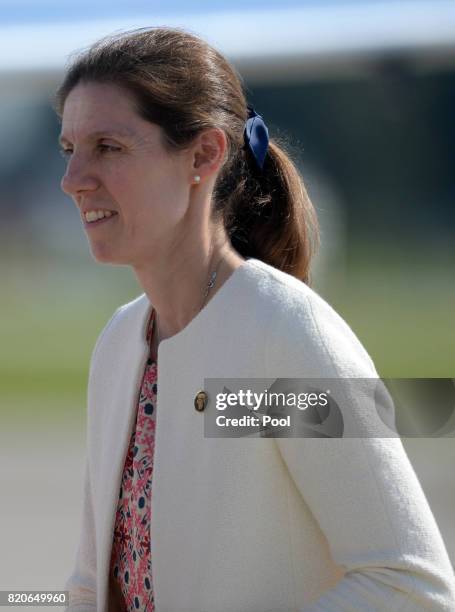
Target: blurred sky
[14,11]
[39,35]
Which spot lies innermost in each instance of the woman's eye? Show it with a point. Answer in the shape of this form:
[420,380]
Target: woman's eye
[110,148]
[103,148]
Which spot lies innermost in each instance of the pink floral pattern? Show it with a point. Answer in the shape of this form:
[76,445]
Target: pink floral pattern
[131,563]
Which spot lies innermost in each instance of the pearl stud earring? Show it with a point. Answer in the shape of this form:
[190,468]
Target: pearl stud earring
[197,178]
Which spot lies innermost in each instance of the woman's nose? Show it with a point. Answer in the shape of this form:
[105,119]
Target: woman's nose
[78,177]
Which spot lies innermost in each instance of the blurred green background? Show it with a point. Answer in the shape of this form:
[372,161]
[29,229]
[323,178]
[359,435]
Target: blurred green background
[399,301]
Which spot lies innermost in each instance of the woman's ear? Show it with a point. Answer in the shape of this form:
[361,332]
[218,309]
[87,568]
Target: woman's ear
[209,152]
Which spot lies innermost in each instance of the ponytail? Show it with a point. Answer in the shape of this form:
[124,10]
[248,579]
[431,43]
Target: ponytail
[267,213]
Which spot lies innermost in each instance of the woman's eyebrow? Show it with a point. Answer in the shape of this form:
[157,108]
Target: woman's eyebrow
[100,133]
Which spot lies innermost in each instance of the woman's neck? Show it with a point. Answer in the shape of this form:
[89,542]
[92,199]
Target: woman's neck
[225,269]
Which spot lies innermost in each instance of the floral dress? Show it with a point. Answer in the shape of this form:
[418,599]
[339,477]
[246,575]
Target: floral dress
[131,564]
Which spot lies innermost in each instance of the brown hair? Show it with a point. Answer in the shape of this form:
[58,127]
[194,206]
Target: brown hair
[184,85]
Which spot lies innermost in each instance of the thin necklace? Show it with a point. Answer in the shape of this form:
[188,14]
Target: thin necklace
[210,284]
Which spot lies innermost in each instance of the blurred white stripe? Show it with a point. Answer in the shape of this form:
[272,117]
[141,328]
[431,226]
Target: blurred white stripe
[306,34]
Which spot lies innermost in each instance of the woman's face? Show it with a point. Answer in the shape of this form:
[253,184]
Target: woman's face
[115,161]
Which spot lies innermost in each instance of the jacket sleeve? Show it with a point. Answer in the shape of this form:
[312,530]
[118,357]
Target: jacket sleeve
[363,490]
[82,582]
[378,524]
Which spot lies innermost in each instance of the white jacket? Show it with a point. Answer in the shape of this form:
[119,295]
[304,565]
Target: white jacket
[254,524]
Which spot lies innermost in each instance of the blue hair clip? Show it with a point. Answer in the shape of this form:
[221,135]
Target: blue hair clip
[256,136]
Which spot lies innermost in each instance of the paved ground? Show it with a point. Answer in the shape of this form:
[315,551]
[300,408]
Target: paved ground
[40,480]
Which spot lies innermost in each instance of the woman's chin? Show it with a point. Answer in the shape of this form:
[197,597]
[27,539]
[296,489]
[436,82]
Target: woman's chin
[104,255]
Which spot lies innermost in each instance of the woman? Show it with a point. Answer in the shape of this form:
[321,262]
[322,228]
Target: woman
[215,222]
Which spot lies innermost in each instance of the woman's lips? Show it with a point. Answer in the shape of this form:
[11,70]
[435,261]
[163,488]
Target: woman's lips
[99,221]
